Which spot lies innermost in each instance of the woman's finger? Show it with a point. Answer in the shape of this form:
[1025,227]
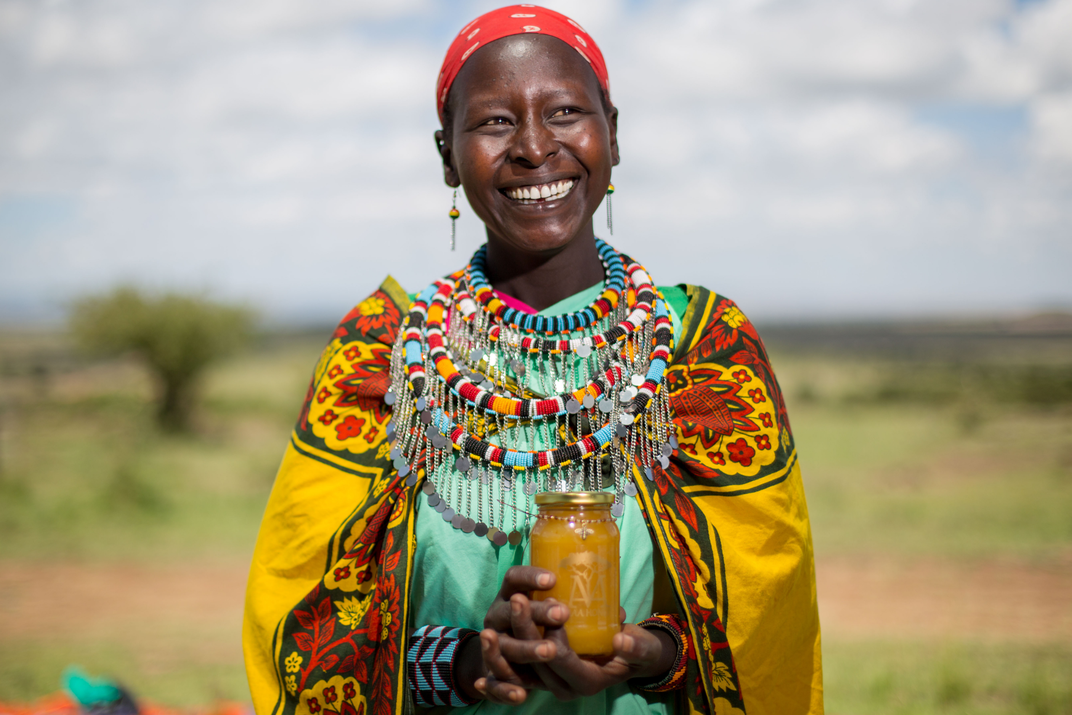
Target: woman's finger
[525,579]
[499,692]
[637,646]
[494,661]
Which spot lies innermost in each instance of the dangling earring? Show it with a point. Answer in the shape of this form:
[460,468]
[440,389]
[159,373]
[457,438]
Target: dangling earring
[454,214]
[610,218]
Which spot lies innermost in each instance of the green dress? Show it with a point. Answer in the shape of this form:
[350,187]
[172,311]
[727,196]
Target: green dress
[456,576]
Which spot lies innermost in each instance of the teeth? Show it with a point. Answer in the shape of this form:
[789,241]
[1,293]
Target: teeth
[542,192]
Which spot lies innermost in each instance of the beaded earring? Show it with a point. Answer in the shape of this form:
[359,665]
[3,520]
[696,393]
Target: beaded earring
[454,214]
[610,219]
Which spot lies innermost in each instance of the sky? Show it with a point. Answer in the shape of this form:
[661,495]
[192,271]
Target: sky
[811,159]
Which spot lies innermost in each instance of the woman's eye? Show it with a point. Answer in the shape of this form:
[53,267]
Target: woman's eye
[495,121]
[564,111]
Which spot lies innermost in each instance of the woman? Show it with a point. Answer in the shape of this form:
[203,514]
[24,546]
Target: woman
[390,568]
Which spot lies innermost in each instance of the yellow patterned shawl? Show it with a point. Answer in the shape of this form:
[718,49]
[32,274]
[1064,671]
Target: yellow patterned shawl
[327,603]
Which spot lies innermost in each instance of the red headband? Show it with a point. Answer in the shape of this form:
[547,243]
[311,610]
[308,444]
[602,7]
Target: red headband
[516,20]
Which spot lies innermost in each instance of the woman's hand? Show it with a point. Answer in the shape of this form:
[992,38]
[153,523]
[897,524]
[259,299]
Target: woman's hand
[638,653]
[514,657]
[485,669]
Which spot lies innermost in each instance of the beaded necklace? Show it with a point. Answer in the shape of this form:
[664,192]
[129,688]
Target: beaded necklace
[488,413]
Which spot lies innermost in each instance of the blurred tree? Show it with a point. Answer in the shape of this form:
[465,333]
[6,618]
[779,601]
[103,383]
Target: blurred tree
[177,336]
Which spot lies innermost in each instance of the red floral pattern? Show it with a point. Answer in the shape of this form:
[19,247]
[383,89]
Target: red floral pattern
[740,452]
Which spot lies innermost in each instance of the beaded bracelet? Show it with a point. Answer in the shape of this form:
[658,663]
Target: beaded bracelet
[430,662]
[679,630]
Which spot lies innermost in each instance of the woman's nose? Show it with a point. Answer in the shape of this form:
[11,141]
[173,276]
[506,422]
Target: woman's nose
[534,143]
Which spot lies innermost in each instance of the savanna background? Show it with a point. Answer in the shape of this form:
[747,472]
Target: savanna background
[884,186]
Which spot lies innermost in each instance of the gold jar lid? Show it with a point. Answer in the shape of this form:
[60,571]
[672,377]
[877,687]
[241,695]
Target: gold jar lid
[574,499]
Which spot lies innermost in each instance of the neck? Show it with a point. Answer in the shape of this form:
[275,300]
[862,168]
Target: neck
[541,280]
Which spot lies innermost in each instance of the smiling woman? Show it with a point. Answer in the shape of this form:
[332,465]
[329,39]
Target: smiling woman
[392,568]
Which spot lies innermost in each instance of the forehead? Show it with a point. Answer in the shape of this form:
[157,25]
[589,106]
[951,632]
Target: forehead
[522,63]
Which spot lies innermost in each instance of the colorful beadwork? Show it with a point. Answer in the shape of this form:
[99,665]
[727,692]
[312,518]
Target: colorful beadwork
[678,629]
[463,369]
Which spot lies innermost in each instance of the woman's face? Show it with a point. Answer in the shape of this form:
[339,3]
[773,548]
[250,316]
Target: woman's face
[527,120]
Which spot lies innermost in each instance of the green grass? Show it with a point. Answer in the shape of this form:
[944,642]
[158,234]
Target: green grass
[85,469]
[86,477]
[177,673]
[883,678]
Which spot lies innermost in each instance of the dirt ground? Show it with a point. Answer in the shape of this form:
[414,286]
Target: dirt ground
[149,607]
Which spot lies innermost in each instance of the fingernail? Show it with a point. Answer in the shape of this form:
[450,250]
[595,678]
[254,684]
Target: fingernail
[484,645]
[543,580]
[557,613]
[543,651]
[628,642]
[514,696]
[515,608]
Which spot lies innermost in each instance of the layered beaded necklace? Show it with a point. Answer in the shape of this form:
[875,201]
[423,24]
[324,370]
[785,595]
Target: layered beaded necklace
[495,404]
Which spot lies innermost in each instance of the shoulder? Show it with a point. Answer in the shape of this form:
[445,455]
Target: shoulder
[377,317]
[706,316]
[344,413]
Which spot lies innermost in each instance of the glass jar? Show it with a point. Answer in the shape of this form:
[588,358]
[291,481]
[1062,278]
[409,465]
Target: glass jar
[575,538]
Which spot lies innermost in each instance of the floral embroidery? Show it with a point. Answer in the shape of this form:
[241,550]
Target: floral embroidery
[343,572]
[763,441]
[328,417]
[314,705]
[292,684]
[765,418]
[334,372]
[349,428]
[716,457]
[741,376]
[293,663]
[721,677]
[757,396]
[734,317]
[324,394]
[351,611]
[740,452]
[329,694]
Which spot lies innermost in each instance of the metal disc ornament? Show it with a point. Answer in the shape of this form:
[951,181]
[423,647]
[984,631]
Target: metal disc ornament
[448,514]
[514,538]
[617,510]
[428,488]
[588,402]
[457,521]
[468,525]
[411,480]
[481,529]
[421,404]
[500,538]
[404,470]
[433,499]
[390,398]
[530,488]
[649,474]
[441,506]
[631,488]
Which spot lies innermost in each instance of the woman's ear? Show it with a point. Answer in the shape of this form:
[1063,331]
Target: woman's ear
[450,175]
[612,122]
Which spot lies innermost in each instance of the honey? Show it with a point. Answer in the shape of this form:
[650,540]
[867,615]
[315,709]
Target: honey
[575,538]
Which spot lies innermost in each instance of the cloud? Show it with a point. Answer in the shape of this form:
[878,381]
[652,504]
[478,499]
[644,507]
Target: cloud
[817,157]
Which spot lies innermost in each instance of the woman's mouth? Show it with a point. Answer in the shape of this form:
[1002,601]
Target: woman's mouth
[540,192]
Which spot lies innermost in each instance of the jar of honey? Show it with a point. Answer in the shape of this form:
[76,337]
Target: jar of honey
[575,538]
